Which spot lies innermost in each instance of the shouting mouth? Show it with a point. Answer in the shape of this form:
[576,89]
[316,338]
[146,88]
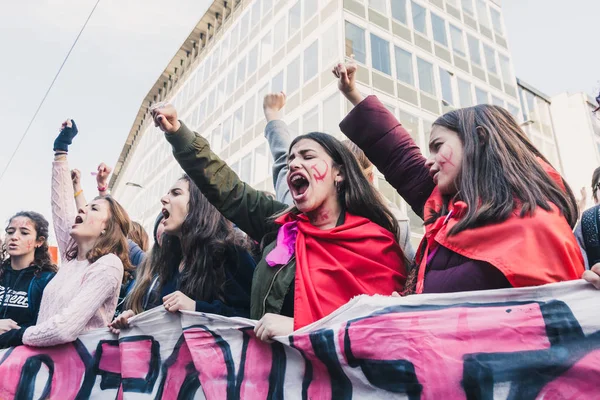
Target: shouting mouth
[165,214]
[78,221]
[298,184]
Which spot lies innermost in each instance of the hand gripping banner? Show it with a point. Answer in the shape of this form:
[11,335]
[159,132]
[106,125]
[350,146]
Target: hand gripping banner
[531,343]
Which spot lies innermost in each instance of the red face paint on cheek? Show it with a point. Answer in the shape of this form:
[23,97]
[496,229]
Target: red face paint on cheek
[320,171]
[446,154]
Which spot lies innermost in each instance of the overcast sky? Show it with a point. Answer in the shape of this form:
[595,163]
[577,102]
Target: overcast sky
[127,44]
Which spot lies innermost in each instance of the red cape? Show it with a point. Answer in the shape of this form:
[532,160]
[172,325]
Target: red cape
[529,251]
[334,265]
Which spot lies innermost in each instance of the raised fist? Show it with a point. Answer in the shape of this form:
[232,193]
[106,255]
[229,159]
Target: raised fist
[165,117]
[68,131]
[76,177]
[346,74]
[103,174]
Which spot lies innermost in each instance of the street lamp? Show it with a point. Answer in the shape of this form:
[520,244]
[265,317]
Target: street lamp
[137,185]
[527,123]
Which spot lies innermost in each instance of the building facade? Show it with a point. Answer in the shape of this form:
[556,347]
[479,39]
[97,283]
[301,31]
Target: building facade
[421,58]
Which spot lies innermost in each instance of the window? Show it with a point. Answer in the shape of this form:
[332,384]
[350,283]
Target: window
[235,35]
[262,92]
[514,110]
[355,42]
[446,80]
[252,60]
[246,168]
[241,72]
[267,6]
[235,167]
[211,102]
[439,30]
[530,98]
[255,13]
[225,47]
[474,50]
[497,101]
[380,54]
[453,3]
[379,5]
[464,93]
[332,114]
[404,66]
[505,69]
[458,43]
[467,6]
[266,48]
[294,19]
[249,116]
[221,92]
[226,132]
[426,82]
[230,82]
[244,26]
[482,13]
[330,45]
[261,163]
[419,15]
[310,120]
[490,59]
[293,76]
[277,83]
[399,11]
[279,33]
[496,21]
[310,8]
[481,96]
[311,61]
[237,123]
[410,123]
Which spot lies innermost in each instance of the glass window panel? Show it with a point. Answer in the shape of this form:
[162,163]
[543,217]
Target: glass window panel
[230,82]
[237,127]
[252,60]
[332,114]
[221,92]
[211,102]
[425,71]
[446,80]
[496,21]
[505,68]
[490,59]
[249,112]
[482,13]
[410,123]
[467,6]
[202,112]
[497,101]
[241,72]
[279,33]
[310,120]
[294,127]
[293,76]
[261,163]
[277,83]
[255,13]
[514,110]
[236,167]
[458,43]
[419,15]
[399,11]
[244,26]
[294,19]
[310,9]
[266,6]
[404,66]
[330,45]
[311,61]
[262,92]
[481,96]
[266,48]
[226,135]
[380,54]
[464,93]
[355,42]
[439,30]
[474,50]
[379,5]
[530,98]
[246,168]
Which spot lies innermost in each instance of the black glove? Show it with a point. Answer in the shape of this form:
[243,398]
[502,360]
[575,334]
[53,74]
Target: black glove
[65,138]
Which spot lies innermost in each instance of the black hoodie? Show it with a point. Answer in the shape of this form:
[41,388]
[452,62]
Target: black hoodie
[20,298]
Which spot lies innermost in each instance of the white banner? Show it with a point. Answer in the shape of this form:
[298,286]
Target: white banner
[532,343]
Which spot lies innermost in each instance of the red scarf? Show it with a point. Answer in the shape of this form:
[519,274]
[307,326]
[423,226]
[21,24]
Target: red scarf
[334,265]
[529,251]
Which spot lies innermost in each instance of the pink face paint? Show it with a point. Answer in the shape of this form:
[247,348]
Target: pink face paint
[320,173]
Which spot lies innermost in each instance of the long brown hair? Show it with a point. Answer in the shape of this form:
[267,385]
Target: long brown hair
[138,235]
[114,240]
[208,242]
[355,192]
[41,258]
[500,170]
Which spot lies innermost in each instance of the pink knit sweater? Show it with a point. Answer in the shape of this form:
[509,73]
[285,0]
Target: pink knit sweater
[82,296]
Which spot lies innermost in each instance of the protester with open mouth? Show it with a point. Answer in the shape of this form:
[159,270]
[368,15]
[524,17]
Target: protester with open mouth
[93,246]
[496,213]
[202,263]
[24,274]
[338,241]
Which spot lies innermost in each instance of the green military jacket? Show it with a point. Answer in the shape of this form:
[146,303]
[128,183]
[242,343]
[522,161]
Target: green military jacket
[251,210]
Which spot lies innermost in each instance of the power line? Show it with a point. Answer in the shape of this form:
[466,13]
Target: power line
[47,92]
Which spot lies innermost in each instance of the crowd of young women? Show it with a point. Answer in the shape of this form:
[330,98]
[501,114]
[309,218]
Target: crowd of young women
[496,215]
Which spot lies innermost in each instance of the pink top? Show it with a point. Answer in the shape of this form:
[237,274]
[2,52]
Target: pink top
[82,296]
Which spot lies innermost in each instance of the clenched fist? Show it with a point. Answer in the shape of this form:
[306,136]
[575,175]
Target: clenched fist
[165,117]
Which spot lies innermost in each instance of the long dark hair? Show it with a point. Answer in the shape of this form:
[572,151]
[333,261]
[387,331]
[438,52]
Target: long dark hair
[41,258]
[355,192]
[500,170]
[208,243]
[114,240]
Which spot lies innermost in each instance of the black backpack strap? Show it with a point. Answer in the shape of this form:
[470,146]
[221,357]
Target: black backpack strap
[590,223]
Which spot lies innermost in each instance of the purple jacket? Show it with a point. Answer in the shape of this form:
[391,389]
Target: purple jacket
[389,146]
